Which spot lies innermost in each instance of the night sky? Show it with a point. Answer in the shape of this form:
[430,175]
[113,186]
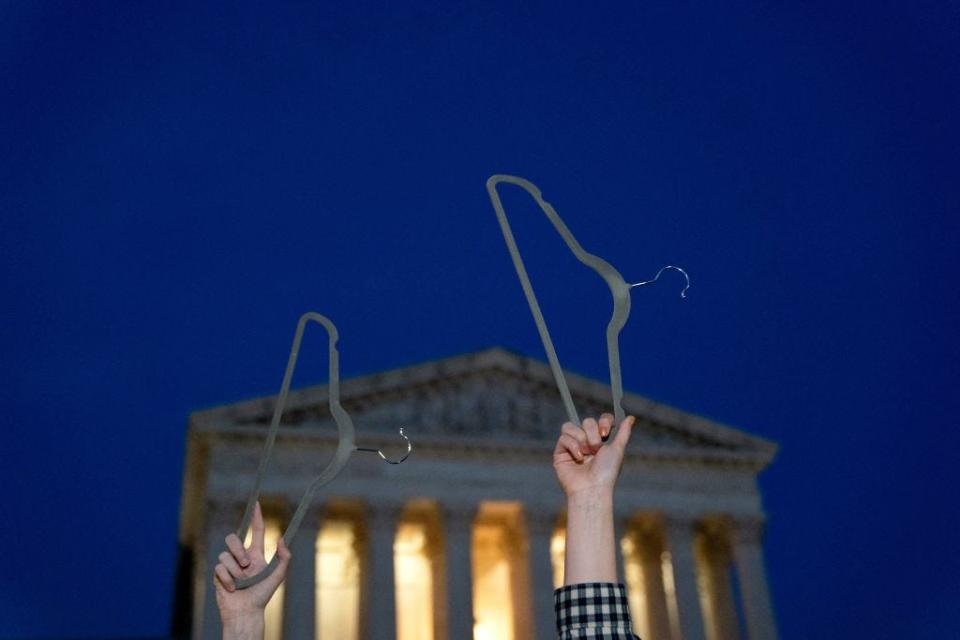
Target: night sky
[179,181]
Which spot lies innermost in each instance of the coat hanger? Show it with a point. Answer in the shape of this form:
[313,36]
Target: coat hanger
[619,289]
[345,445]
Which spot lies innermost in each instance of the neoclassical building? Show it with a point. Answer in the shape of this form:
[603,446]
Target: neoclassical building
[465,539]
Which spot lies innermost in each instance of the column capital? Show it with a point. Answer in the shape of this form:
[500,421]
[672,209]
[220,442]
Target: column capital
[679,525]
[458,515]
[384,513]
[641,521]
[540,522]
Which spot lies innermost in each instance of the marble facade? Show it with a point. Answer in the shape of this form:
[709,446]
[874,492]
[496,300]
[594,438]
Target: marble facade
[483,427]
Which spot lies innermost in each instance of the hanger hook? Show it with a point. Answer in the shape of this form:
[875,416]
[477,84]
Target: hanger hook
[385,458]
[683,294]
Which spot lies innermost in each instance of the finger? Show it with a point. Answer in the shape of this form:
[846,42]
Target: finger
[258,529]
[576,432]
[224,577]
[227,560]
[217,585]
[623,435]
[606,426]
[569,444]
[274,579]
[592,430]
[236,548]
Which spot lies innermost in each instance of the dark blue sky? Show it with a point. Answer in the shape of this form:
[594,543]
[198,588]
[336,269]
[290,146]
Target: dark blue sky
[178,182]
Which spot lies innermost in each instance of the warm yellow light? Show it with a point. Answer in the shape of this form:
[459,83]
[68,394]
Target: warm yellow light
[338,581]
[273,614]
[414,580]
[492,584]
[558,545]
[633,577]
[670,589]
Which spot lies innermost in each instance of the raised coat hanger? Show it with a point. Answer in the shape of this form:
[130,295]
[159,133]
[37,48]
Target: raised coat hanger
[619,289]
[345,445]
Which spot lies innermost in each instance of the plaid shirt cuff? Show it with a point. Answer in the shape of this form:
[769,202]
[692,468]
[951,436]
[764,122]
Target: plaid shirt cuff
[593,610]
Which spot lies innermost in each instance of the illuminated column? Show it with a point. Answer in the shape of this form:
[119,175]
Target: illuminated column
[650,547]
[299,599]
[712,551]
[540,526]
[457,611]
[747,539]
[687,620]
[378,612]
[220,521]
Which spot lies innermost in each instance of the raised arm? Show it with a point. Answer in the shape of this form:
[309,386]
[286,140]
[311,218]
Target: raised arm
[241,611]
[587,461]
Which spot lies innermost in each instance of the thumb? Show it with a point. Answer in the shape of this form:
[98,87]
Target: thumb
[623,433]
[283,554]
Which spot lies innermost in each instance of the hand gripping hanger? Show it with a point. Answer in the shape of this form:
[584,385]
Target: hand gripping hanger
[345,446]
[618,288]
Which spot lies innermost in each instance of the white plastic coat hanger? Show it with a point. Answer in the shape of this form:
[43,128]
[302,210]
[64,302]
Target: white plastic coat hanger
[345,446]
[618,288]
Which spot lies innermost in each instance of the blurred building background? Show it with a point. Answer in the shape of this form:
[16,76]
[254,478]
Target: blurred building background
[465,539]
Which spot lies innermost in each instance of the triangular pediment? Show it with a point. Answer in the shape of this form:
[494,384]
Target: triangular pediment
[491,395]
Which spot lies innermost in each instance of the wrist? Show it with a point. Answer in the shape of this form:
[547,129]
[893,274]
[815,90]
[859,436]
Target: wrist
[590,498]
[591,544]
[243,626]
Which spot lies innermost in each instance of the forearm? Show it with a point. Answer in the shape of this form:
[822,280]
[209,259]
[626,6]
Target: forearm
[590,554]
[249,627]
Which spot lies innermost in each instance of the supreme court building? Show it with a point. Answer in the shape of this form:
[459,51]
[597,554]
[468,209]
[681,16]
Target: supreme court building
[465,539]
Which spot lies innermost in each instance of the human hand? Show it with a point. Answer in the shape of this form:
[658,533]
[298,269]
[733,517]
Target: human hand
[243,608]
[583,462]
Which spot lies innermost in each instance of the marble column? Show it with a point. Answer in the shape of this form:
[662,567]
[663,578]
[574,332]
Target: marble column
[540,528]
[713,557]
[688,619]
[457,609]
[378,609]
[300,595]
[650,546]
[747,540]
[220,520]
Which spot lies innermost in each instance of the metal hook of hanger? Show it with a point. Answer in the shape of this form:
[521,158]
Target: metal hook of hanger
[683,294]
[385,458]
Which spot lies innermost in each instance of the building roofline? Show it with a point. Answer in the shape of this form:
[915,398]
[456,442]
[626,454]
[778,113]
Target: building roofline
[395,380]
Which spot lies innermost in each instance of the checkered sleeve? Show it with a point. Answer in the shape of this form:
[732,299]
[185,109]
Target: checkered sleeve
[594,611]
